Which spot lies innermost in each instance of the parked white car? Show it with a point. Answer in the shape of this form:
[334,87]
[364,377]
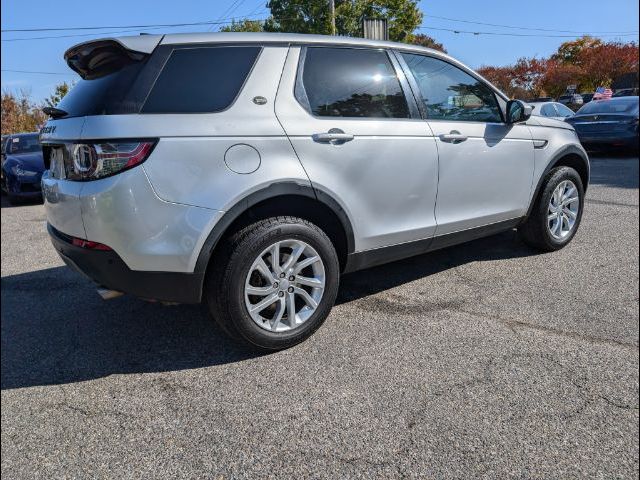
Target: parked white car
[554,110]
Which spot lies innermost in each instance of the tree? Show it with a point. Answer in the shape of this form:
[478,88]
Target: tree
[521,80]
[244,26]
[298,16]
[559,75]
[605,62]
[19,113]
[426,41]
[312,16]
[571,52]
[58,94]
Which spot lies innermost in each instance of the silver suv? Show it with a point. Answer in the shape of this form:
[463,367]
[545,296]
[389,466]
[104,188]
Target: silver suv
[249,171]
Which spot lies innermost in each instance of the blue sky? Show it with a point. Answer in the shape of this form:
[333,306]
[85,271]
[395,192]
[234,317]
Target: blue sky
[46,54]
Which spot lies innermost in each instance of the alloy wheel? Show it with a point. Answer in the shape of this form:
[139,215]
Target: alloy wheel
[284,285]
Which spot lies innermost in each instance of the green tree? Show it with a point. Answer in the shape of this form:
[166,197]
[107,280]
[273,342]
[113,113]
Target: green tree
[312,16]
[244,26]
[571,52]
[58,94]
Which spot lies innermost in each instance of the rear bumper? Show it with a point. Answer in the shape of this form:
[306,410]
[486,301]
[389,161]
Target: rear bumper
[107,269]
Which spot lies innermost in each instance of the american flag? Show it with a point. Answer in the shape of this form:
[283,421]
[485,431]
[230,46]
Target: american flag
[602,93]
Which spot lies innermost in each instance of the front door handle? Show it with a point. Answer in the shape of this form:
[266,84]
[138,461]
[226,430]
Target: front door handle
[334,136]
[453,137]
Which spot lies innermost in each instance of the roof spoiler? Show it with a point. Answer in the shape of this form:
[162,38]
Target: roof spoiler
[98,58]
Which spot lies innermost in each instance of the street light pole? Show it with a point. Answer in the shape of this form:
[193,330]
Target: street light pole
[332,10]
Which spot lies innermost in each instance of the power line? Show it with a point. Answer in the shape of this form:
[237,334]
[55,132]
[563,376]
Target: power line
[155,25]
[507,34]
[529,28]
[30,71]
[73,35]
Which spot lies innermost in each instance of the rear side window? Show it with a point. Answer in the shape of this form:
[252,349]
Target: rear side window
[350,82]
[451,94]
[201,80]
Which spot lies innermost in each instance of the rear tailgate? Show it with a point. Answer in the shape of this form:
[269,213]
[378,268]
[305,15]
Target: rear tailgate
[111,84]
[61,197]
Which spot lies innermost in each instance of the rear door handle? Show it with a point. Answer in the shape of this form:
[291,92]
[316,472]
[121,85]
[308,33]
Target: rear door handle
[453,137]
[332,137]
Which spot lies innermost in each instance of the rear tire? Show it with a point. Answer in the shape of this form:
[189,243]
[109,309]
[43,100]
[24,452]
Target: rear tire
[244,276]
[557,211]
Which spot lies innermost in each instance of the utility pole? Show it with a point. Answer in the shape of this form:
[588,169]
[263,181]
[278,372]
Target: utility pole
[332,10]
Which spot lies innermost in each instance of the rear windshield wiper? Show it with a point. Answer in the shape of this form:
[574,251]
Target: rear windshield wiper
[54,112]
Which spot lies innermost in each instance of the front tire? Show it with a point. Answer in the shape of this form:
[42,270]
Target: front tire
[272,284]
[557,211]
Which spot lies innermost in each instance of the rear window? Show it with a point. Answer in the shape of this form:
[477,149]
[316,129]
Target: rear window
[24,144]
[610,106]
[105,95]
[201,80]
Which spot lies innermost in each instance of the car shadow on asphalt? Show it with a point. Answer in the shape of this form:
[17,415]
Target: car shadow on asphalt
[57,330]
[5,203]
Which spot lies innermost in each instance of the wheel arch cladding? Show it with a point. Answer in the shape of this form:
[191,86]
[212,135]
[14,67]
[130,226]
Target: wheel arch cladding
[569,156]
[286,198]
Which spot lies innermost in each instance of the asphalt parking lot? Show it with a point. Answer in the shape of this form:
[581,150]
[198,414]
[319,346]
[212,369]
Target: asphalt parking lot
[484,360]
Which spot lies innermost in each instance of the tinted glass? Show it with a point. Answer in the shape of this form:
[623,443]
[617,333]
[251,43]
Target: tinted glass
[548,110]
[200,80]
[622,105]
[24,144]
[451,94]
[349,82]
[563,110]
[102,96]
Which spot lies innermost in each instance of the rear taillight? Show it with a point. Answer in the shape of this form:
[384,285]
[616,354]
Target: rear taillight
[79,242]
[91,161]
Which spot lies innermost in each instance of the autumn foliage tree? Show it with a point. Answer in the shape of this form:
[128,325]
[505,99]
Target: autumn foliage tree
[20,113]
[586,62]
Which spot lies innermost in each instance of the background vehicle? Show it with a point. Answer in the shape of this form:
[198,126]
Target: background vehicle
[312,156]
[541,99]
[573,101]
[22,167]
[612,122]
[626,92]
[586,97]
[551,110]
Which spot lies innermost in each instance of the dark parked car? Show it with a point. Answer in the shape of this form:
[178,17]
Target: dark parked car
[611,122]
[573,101]
[626,92]
[587,97]
[22,166]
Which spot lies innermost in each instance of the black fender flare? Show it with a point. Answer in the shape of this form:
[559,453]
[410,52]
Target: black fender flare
[272,191]
[559,155]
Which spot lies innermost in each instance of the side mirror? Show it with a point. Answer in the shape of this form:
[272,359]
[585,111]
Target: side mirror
[518,111]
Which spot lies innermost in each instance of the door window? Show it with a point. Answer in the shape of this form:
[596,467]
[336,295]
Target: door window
[350,82]
[451,94]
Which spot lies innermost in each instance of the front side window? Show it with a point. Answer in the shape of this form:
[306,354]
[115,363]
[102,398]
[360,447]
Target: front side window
[350,82]
[451,94]
[201,80]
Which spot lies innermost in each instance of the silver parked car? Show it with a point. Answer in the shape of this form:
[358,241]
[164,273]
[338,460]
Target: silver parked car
[249,171]
[551,110]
